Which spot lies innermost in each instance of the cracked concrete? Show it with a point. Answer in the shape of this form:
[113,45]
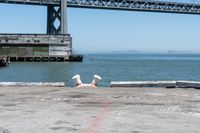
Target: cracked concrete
[102,110]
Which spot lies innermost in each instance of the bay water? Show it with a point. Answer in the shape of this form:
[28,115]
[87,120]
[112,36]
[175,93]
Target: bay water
[111,67]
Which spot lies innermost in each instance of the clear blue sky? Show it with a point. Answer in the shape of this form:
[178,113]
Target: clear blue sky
[105,30]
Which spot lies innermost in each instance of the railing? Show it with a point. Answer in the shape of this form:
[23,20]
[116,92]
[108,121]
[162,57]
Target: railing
[35,39]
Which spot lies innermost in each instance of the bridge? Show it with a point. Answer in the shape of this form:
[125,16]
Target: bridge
[59,41]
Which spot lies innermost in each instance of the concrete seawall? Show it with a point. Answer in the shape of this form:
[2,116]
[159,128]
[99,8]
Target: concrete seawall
[162,84]
[32,84]
[143,84]
[165,84]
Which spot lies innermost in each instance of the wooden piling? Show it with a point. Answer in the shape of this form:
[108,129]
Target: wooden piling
[4,61]
[74,58]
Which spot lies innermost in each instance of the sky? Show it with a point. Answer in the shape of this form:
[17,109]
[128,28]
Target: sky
[107,30]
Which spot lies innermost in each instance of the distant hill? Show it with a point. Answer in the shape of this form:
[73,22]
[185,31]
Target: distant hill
[142,52]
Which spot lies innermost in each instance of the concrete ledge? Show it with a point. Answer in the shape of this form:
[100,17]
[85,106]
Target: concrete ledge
[167,84]
[188,84]
[53,84]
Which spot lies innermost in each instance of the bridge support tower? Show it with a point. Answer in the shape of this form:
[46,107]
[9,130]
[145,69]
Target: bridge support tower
[57,18]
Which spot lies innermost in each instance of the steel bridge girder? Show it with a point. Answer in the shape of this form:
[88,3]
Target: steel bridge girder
[137,5]
[134,5]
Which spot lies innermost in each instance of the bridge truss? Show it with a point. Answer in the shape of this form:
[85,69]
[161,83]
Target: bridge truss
[132,5]
[137,5]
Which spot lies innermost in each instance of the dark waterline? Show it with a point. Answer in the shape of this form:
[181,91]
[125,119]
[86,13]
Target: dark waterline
[111,67]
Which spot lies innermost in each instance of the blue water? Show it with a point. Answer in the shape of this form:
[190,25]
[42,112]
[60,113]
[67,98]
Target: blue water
[111,67]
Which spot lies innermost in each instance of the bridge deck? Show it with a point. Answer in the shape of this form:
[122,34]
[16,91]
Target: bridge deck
[32,2]
[132,5]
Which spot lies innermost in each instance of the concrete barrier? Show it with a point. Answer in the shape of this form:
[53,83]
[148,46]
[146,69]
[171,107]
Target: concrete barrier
[188,84]
[167,84]
[53,84]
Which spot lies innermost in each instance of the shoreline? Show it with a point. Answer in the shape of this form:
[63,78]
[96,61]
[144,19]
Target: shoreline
[117,110]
